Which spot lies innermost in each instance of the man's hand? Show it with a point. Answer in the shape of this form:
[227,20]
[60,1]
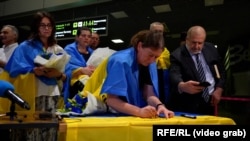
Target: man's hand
[2,63]
[216,96]
[87,70]
[191,87]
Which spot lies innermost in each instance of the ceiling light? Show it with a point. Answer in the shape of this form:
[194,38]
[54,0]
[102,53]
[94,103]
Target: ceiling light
[213,2]
[117,41]
[162,8]
[119,14]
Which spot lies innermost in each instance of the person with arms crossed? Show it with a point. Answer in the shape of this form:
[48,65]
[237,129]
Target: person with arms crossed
[196,62]
[134,90]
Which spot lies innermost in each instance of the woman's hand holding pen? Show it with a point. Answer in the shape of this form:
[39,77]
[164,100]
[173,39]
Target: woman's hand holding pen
[167,113]
[147,112]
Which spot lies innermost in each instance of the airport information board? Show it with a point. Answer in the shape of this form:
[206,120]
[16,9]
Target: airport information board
[68,29]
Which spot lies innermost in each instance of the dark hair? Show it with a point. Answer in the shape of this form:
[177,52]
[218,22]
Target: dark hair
[36,24]
[152,39]
[80,29]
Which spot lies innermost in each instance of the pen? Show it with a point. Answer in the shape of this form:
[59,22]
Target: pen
[188,116]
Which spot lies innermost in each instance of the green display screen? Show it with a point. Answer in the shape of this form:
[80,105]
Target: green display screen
[68,29]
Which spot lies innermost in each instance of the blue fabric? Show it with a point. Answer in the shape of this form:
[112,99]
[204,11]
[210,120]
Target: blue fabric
[5,85]
[122,77]
[22,60]
[76,61]
[183,114]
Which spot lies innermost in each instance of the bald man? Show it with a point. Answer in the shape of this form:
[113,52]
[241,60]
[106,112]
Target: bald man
[185,79]
[8,36]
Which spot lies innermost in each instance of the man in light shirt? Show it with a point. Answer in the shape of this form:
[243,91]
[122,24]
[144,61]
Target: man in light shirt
[8,36]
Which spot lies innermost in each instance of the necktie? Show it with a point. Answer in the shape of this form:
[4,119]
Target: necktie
[202,75]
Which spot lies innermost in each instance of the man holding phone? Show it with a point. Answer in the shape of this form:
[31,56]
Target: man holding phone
[197,75]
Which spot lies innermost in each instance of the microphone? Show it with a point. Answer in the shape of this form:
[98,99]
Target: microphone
[6,91]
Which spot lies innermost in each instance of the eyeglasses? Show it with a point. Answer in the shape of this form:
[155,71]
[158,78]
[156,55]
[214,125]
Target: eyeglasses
[44,26]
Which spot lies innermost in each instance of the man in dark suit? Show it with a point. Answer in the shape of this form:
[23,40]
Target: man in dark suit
[187,95]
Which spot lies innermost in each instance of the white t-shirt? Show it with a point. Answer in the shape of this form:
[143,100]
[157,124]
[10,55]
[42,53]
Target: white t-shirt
[6,52]
[52,90]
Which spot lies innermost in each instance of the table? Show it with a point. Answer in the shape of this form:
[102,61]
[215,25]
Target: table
[24,123]
[21,123]
[125,128]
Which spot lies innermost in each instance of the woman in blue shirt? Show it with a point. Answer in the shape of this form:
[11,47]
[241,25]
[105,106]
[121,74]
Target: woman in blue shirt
[131,83]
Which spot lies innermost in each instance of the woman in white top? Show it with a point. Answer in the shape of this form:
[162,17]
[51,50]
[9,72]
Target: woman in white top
[41,42]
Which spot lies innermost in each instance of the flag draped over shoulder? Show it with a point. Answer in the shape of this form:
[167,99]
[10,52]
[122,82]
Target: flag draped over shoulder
[96,80]
[90,98]
[22,60]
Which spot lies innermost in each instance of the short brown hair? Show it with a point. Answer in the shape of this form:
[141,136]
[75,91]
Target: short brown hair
[148,38]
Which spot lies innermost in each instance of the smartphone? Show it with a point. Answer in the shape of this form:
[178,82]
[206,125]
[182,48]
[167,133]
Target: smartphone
[204,84]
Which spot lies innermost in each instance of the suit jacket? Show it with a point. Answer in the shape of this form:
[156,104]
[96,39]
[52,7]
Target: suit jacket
[183,68]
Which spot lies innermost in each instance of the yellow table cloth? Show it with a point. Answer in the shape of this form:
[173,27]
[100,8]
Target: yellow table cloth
[128,128]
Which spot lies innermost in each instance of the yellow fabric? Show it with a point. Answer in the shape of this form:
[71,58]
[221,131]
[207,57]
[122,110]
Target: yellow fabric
[5,76]
[94,84]
[163,61]
[25,87]
[4,102]
[74,79]
[60,103]
[128,128]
